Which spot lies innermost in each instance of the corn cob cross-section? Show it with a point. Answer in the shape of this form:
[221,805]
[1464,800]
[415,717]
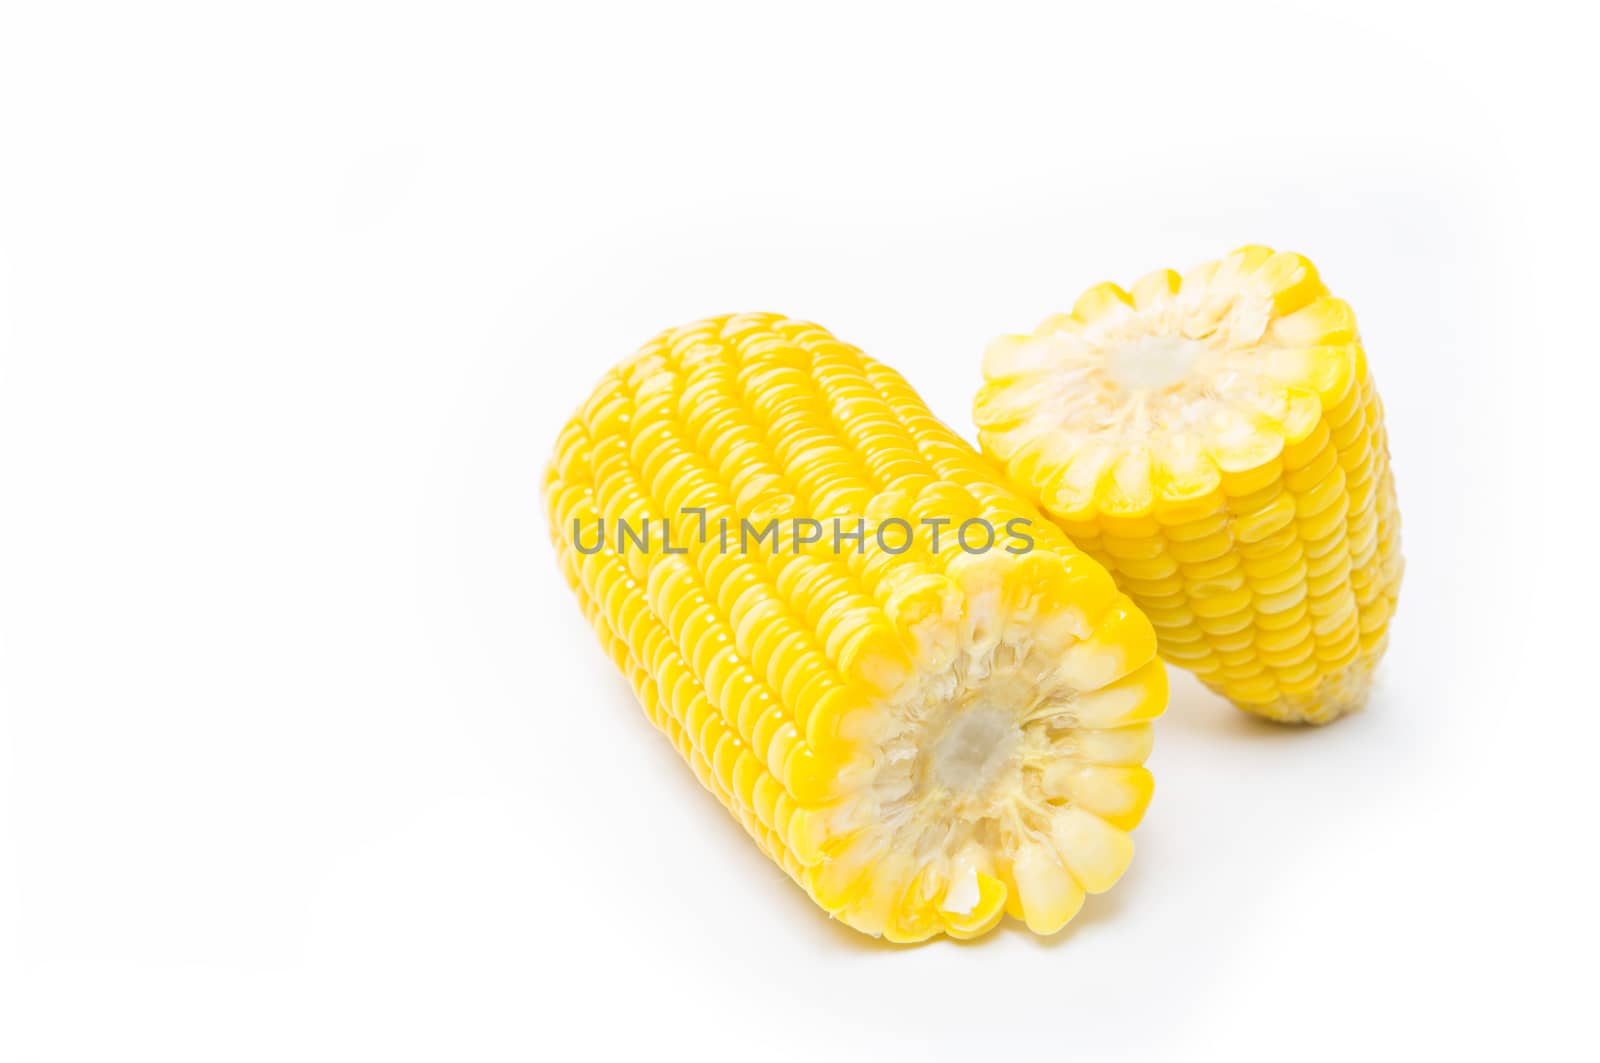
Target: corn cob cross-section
[1215,440]
[922,735]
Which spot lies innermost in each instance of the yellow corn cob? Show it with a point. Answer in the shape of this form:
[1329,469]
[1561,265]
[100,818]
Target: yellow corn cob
[921,739]
[1216,441]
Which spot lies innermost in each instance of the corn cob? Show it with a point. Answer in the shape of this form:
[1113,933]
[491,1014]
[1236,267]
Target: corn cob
[922,738]
[1216,441]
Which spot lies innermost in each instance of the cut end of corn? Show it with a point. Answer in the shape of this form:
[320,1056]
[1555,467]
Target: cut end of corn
[1215,439]
[926,738]
[1005,771]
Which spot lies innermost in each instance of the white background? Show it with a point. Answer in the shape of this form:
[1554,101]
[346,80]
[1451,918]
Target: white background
[305,750]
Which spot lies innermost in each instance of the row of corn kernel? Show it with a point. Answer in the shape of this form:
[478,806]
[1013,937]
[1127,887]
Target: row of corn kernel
[1257,590]
[679,699]
[678,463]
